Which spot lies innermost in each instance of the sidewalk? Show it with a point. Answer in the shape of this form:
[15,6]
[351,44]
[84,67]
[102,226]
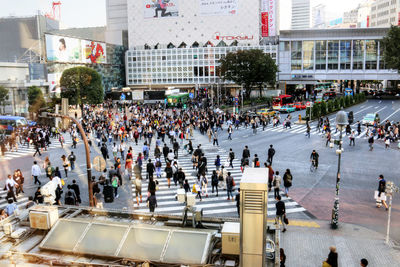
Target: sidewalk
[309,246]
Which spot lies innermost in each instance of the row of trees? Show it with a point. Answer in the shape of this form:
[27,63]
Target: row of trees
[323,108]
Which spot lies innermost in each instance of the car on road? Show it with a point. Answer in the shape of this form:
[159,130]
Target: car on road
[287,109]
[266,112]
[299,106]
[370,119]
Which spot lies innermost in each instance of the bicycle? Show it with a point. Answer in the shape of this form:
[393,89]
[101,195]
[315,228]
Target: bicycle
[313,166]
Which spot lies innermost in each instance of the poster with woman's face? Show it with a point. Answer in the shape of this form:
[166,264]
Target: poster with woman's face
[63,49]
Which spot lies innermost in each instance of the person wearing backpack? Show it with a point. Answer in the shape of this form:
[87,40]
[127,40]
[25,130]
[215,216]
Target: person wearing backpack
[158,167]
[256,161]
[217,163]
[287,181]
[214,182]
[108,192]
[115,185]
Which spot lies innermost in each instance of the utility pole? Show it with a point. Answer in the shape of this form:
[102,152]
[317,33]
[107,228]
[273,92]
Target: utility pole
[390,189]
[241,92]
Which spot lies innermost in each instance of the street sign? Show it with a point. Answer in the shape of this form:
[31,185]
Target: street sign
[99,164]
[123,96]
[191,95]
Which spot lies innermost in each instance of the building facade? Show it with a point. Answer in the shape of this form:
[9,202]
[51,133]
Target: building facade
[306,57]
[179,67]
[301,16]
[117,22]
[385,13]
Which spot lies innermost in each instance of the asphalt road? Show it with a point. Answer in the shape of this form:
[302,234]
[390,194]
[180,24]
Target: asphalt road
[360,167]
[313,191]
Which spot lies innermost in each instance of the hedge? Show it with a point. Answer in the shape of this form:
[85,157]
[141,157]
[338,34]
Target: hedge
[323,108]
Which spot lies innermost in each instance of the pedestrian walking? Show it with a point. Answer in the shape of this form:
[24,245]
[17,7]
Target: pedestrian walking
[271,153]
[217,163]
[168,173]
[138,190]
[65,164]
[230,131]
[215,138]
[276,182]
[332,260]
[381,197]
[150,169]
[214,182]
[35,172]
[270,176]
[282,257]
[72,159]
[237,199]
[10,186]
[371,142]
[231,157]
[77,191]
[115,185]
[308,131]
[352,138]
[230,183]
[280,212]
[287,181]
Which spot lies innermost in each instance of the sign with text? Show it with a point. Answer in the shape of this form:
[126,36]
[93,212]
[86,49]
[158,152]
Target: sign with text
[160,8]
[218,7]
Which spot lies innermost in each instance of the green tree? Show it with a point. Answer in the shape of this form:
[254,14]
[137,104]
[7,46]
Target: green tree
[336,104]
[347,101]
[3,97]
[331,106]
[82,85]
[35,99]
[391,49]
[316,111]
[250,68]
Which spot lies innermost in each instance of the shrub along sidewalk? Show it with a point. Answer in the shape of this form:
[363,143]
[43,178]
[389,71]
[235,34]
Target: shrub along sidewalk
[324,108]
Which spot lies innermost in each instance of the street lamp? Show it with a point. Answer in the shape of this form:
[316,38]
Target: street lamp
[341,122]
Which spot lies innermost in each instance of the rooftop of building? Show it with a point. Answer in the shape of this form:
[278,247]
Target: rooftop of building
[333,33]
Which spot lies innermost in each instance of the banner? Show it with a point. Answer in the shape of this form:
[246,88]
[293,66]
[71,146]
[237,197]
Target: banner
[264,24]
[63,49]
[272,9]
[218,7]
[93,52]
[160,8]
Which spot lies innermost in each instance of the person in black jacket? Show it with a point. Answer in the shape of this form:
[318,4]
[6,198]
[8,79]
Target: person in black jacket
[181,177]
[150,169]
[280,212]
[214,181]
[165,151]
[271,153]
[151,188]
[246,152]
[381,189]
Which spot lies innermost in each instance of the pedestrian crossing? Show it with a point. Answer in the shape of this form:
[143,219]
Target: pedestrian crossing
[21,200]
[294,129]
[213,204]
[24,150]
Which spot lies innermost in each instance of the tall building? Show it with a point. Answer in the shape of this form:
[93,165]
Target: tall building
[301,14]
[385,13]
[117,22]
[318,16]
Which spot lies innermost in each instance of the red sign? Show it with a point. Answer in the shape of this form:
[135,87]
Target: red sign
[398,21]
[367,21]
[264,24]
[218,36]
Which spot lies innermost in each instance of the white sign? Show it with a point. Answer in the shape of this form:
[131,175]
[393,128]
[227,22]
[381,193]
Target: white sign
[63,49]
[137,95]
[218,7]
[160,8]
[272,15]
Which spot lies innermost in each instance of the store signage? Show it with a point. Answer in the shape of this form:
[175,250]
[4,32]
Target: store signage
[264,24]
[220,37]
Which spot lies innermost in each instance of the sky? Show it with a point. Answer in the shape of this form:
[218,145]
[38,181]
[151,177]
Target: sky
[90,13]
[74,13]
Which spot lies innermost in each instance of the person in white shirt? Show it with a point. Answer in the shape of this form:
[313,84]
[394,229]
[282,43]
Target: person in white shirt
[10,185]
[36,172]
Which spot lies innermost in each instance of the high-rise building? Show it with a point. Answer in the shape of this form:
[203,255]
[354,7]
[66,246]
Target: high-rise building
[301,14]
[117,22]
[318,16]
[385,13]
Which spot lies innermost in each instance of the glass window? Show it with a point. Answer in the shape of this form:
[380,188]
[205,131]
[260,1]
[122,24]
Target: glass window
[345,55]
[308,55]
[371,49]
[333,55]
[358,54]
[296,55]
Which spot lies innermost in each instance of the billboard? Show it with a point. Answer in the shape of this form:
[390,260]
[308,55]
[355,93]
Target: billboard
[54,82]
[63,49]
[160,8]
[93,52]
[268,18]
[218,7]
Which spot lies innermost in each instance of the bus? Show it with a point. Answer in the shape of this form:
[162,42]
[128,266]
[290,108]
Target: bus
[179,98]
[8,124]
[282,100]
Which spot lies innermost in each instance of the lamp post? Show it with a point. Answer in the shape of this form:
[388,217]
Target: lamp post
[341,122]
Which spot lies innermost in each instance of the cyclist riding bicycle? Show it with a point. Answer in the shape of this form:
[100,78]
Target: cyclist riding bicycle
[314,158]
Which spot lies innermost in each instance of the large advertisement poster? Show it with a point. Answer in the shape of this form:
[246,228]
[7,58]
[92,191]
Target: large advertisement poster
[160,8]
[93,52]
[268,18]
[218,7]
[63,49]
